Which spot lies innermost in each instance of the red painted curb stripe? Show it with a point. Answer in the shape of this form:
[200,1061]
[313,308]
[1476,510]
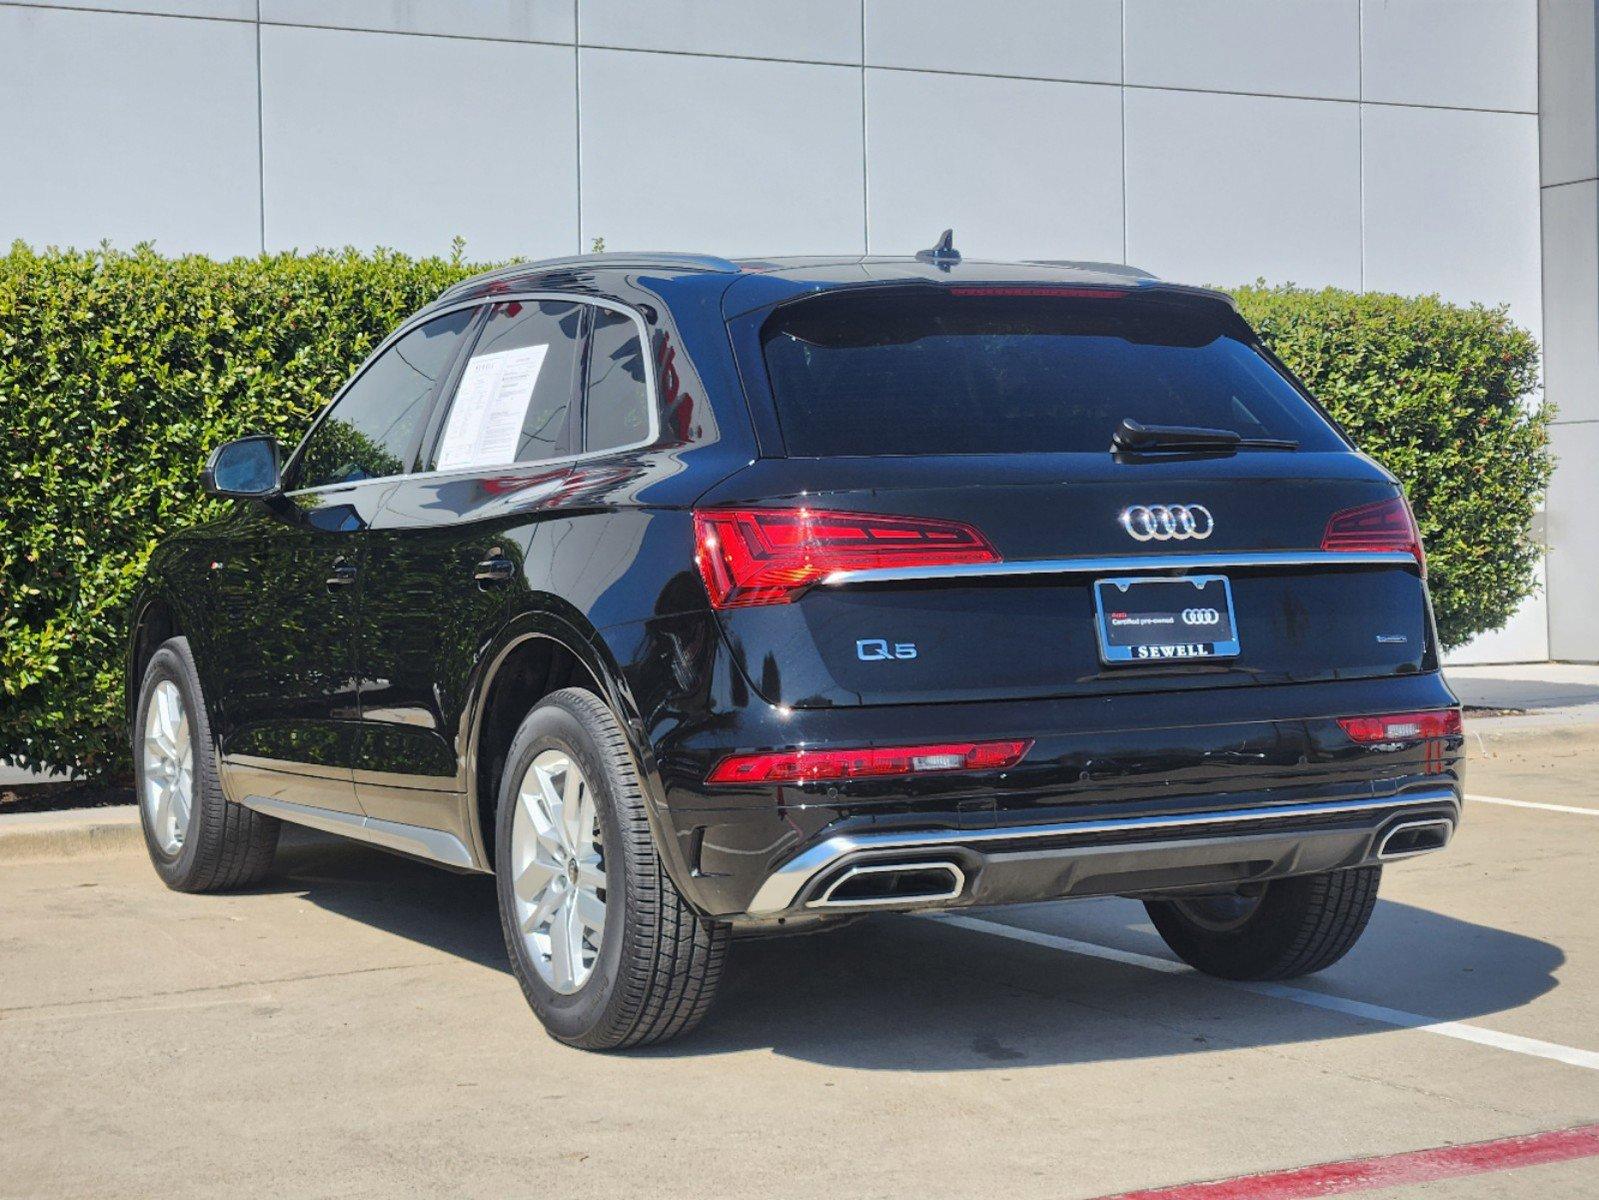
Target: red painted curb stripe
[1418,1166]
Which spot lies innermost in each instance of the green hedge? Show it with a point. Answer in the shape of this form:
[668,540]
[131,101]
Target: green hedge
[120,371]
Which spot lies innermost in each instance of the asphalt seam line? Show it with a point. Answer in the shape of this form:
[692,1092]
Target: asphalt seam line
[1398,1018]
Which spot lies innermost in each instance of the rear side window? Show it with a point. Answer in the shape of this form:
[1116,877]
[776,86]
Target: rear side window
[982,371]
[616,400]
[375,426]
[515,392]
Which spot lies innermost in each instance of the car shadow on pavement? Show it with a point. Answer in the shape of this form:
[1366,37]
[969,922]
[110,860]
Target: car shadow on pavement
[905,993]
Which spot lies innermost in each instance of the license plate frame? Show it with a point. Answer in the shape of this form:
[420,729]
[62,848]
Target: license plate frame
[1130,635]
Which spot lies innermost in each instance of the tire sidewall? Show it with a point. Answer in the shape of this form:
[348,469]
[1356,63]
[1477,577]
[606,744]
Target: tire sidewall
[570,1017]
[170,663]
[1271,944]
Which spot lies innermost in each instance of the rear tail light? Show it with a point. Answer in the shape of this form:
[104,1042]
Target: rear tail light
[1403,727]
[1384,525]
[803,766]
[771,555]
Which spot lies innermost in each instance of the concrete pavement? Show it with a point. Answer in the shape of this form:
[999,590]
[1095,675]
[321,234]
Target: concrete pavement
[350,1030]
[1545,695]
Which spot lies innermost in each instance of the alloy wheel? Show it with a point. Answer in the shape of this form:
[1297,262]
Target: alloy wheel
[558,871]
[168,767]
[1224,911]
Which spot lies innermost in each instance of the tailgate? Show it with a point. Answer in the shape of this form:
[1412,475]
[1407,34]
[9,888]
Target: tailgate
[1027,625]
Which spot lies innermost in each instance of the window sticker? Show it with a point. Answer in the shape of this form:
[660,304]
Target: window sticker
[490,406]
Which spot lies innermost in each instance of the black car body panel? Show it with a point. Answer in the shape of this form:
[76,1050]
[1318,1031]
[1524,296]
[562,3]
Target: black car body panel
[350,642]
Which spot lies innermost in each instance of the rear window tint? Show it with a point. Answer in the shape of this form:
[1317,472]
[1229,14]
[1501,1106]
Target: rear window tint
[952,372]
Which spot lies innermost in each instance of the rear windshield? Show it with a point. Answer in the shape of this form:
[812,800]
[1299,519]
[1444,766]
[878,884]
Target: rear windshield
[980,371]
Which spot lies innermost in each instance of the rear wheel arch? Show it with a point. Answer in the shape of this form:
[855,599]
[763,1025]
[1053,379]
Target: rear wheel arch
[528,662]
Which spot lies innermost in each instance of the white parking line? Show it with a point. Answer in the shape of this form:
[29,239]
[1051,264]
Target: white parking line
[1280,991]
[1561,808]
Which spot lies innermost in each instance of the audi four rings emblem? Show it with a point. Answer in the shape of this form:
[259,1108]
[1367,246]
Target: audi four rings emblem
[1168,522]
[1201,616]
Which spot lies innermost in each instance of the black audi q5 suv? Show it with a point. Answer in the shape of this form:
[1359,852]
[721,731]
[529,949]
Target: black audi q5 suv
[691,597]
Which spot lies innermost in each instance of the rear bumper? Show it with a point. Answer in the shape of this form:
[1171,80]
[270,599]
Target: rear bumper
[1115,790]
[1170,853]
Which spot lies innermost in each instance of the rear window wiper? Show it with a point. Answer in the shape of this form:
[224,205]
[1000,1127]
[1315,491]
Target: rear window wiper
[1139,438]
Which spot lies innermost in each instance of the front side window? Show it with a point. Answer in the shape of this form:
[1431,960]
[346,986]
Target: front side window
[372,430]
[616,402]
[515,393]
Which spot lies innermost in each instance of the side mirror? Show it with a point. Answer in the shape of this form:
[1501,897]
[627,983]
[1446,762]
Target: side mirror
[248,468]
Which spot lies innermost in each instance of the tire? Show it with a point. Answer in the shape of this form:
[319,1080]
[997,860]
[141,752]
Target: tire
[655,969]
[220,845]
[1296,927]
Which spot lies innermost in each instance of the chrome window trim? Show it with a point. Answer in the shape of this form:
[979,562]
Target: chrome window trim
[651,392]
[784,885]
[1109,564]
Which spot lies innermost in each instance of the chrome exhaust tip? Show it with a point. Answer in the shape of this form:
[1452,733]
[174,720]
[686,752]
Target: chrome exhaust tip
[886,885]
[1410,838]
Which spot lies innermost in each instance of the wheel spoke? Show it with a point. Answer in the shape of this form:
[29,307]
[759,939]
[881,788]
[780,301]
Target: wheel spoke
[550,800]
[590,873]
[534,880]
[162,740]
[575,807]
[180,809]
[161,818]
[168,697]
[548,904]
[590,911]
[561,958]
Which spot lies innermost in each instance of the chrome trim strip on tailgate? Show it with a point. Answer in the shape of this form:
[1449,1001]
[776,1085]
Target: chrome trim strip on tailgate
[781,888]
[1113,563]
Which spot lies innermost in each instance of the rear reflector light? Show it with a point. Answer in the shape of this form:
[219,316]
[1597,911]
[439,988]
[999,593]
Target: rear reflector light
[801,766]
[1384,525]
[1403,727]
[770,555]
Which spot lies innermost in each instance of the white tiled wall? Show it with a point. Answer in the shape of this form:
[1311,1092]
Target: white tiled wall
[1566,91]
[1222,188]
[1020,168]
[1571,317]
[428,172]
[1269,47]
[95,144]
[511,20]
[1567,109]
[1362,143]
[1573,548]
[1451,205]
[1044,39]
[720,154]
[827,31]
[1452,53]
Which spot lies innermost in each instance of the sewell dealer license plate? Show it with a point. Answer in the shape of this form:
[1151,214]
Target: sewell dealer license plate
[1165,620]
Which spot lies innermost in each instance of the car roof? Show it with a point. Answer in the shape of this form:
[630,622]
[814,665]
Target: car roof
[758,280]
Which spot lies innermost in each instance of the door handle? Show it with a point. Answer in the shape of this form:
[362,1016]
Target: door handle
[495,569]
[343,575]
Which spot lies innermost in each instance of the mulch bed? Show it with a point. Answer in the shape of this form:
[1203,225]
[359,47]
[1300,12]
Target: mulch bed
[58,797]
